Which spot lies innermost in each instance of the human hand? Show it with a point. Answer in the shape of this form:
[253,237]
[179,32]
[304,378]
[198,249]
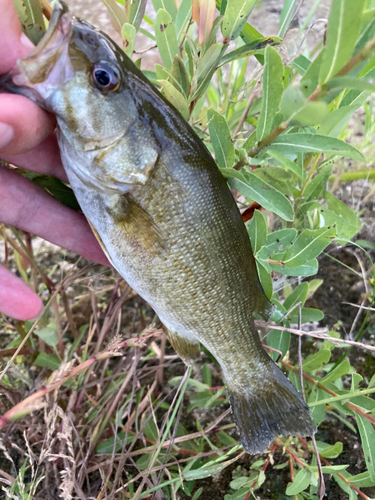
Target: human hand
[27,141]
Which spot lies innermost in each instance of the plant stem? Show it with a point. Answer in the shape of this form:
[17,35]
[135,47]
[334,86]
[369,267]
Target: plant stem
[352,406]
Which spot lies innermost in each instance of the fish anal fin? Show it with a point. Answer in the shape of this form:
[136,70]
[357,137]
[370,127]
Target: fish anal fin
[186,349]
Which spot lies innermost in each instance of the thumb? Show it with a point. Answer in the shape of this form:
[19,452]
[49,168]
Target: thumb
[17,300]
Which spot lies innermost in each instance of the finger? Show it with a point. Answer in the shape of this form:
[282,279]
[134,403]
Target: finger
[30,208]
[17,300]
[43,159]
[23,124]
[14,44]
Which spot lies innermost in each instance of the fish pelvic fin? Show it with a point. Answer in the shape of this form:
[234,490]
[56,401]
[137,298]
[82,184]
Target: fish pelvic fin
[265,410]
[187,350]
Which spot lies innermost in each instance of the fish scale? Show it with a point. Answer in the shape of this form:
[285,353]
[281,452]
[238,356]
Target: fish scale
[164,215]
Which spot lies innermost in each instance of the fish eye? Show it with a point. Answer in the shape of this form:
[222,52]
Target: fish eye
[105,77]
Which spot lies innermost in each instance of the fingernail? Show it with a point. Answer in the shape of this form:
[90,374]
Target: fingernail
[6,135]
[26,42]
[38,315]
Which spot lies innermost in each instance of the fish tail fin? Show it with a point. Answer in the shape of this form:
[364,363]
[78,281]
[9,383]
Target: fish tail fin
[267,407]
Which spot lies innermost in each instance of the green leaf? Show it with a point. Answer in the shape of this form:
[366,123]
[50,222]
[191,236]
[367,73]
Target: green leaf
[266,195]
[128,33]
[316,186]
[331,468]
[308,315]
[47,361]
[286,163]
[221,139]
[31,16]
[137,11]
[356,97]
[317,360]
[179,76]
[348,224]
[209,60]
[117,15]
[265,279]
[175,97]
[279,240]
[342,369]
[257,230]
[314,143]
[362,480]
[317,412]
[166,5]
[206,375]
[301,64]
[206,68]
[109,446]
[300,483]
[55,188]
[250,49]
[279,340]
[235,17]
[299,294]
[310,79]
[330,451]
[276,177]
[166,39]
[367,434]
[352,495]
[308,245]
[286,15]
[343,27]
[272,90]
[296,108]
[313,286]
[307,269]
[350,82]
[183,16]
[48,335]
[198,493]
[209,470]
[337,120]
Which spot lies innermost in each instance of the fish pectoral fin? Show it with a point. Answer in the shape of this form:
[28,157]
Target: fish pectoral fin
[136,224]
[187,350]
[267,406]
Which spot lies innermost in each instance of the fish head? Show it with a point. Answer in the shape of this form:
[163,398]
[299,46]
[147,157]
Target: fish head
[82,76]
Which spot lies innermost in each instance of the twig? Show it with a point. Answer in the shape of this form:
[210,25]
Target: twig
[322,486]
[246,110]
[291,471]
[300,354]
[28,404]
[319,334]
[360,306]
[327,463]
[352,406]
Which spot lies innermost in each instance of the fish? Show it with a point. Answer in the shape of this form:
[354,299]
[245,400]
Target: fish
[163,214]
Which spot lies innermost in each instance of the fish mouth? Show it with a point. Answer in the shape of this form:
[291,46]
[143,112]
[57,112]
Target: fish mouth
[37,66]
[37,71]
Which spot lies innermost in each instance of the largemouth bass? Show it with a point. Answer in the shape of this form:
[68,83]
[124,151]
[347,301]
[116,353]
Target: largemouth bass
[163,214]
